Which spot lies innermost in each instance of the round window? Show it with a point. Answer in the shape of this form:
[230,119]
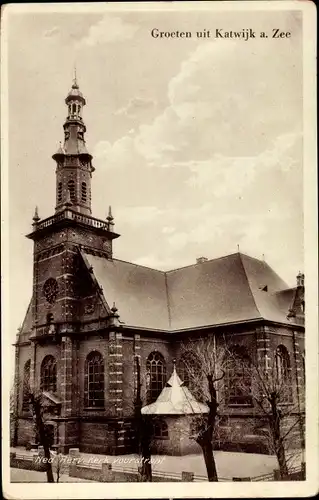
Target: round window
[50,290]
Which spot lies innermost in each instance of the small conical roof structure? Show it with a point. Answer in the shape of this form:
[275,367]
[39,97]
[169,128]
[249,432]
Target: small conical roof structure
[175,399]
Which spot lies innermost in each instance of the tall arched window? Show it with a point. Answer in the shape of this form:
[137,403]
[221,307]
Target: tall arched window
[84,192]
[48,374]
[71,188]
[156,370]
[26,386]
[283,373]
[238,377]
[94,380]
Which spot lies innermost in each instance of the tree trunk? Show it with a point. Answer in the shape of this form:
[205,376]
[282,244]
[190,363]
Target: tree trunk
[208,454]
[205,437]
[281,457]
[275,426]
[37,411]
[144,431]
[146,468]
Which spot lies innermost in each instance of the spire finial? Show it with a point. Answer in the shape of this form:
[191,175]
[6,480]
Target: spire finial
[237,247]
[110,219]
[75,82]
[36,217]
[114,316]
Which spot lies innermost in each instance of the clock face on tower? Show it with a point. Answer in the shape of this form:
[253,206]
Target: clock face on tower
[50,290]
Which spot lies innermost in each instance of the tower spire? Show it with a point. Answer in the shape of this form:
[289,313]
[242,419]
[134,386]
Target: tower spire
[75,82]
[74,162]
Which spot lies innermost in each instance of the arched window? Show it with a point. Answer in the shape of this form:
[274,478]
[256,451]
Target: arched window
[156,371]
[283,373]
[73,109]
[160,429]
[59,192]
[94,380]
[84,192]
[26,386]
[238,377]
[48,374]
[71,188]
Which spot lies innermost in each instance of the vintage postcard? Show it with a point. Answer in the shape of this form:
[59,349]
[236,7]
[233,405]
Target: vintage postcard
[159,223]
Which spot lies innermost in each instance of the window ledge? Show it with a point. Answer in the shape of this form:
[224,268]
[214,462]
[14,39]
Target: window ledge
[240,405]
[94,408]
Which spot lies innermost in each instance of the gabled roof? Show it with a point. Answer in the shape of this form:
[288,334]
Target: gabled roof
[138,292]
[27,322]
[175,399]
[231,289]
[52,397]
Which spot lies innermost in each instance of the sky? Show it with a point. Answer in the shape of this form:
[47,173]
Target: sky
[197,143]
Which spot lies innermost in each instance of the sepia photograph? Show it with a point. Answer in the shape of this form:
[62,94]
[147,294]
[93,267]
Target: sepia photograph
[157,163]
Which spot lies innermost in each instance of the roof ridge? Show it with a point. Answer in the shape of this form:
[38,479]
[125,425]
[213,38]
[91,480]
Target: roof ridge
[188,265]
[138,265]
[248,282]
[209,260]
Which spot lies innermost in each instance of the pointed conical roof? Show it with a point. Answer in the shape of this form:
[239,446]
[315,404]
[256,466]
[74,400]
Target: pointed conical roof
[175,399]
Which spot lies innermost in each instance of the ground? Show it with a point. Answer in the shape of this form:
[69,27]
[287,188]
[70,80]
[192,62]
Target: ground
[32,476]
[229,464]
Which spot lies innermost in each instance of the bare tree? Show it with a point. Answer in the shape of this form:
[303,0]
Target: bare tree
[60,465]
[144,428]
[14,415]
[37,408]
[270,388]
[203,363]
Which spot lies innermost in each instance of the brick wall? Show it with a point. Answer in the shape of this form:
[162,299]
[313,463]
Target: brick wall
[97,437]
[26,432]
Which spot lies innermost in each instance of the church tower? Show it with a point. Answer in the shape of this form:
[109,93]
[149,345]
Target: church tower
[64,295]
[74,163]
[58,286]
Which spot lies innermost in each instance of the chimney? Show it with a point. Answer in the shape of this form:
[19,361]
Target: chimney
[200,260]
[300,279]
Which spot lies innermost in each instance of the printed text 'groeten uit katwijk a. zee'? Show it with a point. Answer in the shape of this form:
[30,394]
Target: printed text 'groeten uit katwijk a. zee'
[220,33]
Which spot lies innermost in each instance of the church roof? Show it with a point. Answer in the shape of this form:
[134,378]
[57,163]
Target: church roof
[28,320]
[138,292]
[231,289]
[175,399]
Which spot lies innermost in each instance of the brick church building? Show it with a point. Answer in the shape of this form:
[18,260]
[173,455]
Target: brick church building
[91,314]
